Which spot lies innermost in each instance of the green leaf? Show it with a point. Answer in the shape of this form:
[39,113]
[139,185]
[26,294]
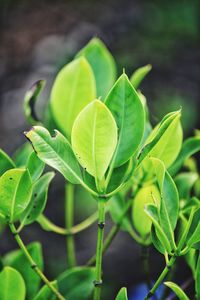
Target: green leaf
[55,152]
[73,89]
[146,195]
[169,205]
[116,206]
[17,260]
[197,281]
[21,155]
[77,283]
[190,147]
[152,212]
[12,285]
[139,75]
[45,293]
[119,176]
[35,166]
[15,193]
[165,140]
[184,183]
[102,63]
[191,259]
[128,111]
[177,290]
[38,200]
[91,142]
[194,231]
[30,99]
[6,162]
[122,295]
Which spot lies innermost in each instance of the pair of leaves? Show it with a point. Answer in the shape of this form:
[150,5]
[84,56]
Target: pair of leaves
[165,216]
[12,285]
[15,193]
[17,260]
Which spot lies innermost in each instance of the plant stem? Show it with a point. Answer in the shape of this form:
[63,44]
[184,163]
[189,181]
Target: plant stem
[69,219]
[99,249]
[161,277]
[32,262]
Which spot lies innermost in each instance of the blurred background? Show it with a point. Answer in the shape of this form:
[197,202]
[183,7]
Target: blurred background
[38,37]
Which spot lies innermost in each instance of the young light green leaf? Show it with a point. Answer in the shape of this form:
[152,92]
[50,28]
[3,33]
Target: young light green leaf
[38,200]
[73,89]
[17,260]
[177,290]
[6,162]
[128,111]
[169,205]
[15,193]
[77,283]
[55,152]
[190,147]
[93,146]
[197,281]
[146,195]
[30,99]
[122,294]
[35,166]
[45,293]
[165,140]
[12,285]
[152,212]
[139,74]
[102,63]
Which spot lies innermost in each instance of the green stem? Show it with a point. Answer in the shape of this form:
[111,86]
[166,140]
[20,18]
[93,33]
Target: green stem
[33,265]
[69,220]
[99,249]
[161,277]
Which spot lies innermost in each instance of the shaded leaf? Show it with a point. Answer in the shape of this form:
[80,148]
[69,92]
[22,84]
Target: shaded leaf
[45,293]
[139,75]
[6,162]
[184,183]
[35,166]
[21,155]
[102,63]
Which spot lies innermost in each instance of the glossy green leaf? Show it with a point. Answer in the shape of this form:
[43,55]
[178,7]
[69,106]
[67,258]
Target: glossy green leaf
[190,147]
[55,152]
[127,109]
[152,212]
[194,231]
[197,281]
[21,154]
[73,89]
[91,142]
[177,290]
[30,99]
[165,140]
[12,285]
[146,195]
[15,193]
[169,205]
[116,206]
[77,283]
[38,199]
[17,260]
[6,162]
[119,176]
[45,293]
[102,63]
[184,183]
[139,74]
[122,294]
[35,166]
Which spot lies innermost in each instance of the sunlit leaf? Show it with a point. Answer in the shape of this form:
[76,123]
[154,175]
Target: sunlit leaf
[15,193]
[73,89]
[177,290]
[127,109]
[12,285]
[102,63]
[122,294]
[93,146]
